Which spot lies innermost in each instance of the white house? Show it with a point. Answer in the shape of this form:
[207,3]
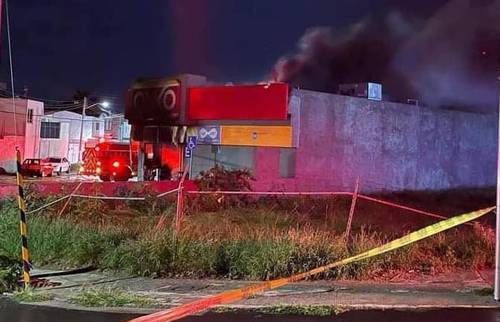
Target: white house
[60,132]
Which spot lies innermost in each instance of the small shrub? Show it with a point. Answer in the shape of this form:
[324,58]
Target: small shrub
[10,272]
[221,179]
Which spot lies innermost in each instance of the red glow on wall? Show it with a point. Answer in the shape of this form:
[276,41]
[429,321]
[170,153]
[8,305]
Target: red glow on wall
[171,156]
[247,102]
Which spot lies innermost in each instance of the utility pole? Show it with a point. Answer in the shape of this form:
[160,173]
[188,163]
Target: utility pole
[81,129]
[497,232]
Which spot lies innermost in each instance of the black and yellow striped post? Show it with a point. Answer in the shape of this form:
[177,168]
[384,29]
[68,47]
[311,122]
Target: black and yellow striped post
[24,227]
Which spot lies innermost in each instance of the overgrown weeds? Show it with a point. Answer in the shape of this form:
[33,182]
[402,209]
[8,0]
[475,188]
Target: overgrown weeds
[261,240]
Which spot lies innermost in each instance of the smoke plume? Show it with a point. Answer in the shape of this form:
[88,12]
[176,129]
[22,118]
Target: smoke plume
[451,59]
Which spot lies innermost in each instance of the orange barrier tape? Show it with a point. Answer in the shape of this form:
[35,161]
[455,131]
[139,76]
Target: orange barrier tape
[235,295]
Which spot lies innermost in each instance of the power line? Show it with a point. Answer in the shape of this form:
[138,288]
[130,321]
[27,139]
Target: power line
[54,102]
[49,100]
[64,107]
[8,94]
[64,118]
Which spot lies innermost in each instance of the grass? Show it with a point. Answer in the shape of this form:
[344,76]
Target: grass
[257,241]
[309,310]
[488,291]
[28,295]
[110,297]
[282,309]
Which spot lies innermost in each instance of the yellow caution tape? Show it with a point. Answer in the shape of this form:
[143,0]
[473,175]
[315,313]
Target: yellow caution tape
[238,294]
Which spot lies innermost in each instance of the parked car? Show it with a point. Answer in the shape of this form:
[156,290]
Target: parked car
[36,168]
[60,165]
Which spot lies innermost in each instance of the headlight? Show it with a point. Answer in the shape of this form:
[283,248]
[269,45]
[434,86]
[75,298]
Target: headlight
[98,170]
[99,163]
[116,164]
[81,169]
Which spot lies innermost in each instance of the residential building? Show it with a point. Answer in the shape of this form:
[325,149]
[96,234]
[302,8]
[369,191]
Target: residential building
[19,129]
[60,136]
[116,128]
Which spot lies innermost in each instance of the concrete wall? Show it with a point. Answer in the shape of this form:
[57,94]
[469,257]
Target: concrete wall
[56,147]
[389,146]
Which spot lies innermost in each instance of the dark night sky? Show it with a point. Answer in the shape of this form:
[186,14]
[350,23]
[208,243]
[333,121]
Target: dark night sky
[103,45]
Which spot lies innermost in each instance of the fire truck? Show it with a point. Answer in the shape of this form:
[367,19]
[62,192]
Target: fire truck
[111,161]
[118,161]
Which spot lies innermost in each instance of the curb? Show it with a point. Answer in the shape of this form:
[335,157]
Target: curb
[242,307]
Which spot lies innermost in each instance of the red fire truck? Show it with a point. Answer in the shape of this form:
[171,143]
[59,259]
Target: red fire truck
[110,161]
[118,161]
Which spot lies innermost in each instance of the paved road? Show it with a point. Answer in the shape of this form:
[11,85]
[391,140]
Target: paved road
[10,312]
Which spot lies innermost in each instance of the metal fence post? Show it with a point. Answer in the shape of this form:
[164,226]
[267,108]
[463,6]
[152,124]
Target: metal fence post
[23,225]
[69,199]
[351,211]
[180,203]
[180,209]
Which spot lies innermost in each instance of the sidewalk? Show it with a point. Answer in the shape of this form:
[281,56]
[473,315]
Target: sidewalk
[464,290]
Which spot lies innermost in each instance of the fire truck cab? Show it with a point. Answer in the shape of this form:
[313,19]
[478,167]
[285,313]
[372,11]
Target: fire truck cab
[115,161]
[111,161]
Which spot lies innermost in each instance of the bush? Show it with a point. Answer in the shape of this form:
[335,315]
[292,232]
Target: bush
[221,179]
[10,272]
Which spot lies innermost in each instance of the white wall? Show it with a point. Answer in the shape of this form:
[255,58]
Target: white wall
[32,137]
[56,147]
[69,142]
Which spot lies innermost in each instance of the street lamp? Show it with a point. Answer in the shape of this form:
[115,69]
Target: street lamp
[104,104]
